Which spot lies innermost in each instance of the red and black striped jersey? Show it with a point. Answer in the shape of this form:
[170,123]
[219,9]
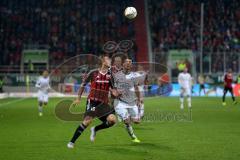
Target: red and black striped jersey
[228,79]
[99,85]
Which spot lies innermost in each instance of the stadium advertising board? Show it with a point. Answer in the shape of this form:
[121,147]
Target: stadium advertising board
[35,56]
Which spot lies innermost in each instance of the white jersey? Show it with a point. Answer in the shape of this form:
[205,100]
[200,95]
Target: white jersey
[126,83]
[43,85]
[185,80]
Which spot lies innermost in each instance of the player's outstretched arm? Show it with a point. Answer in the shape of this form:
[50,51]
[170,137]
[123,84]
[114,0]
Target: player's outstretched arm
[80,92]
[86,79]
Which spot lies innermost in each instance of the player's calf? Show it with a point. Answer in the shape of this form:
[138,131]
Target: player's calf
[40,108]
[189,101]
[77,133]
[109,121]
[86,122]
[130,131]
[181,101]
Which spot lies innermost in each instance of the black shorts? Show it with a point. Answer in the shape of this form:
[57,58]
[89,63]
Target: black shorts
[202,86]
[98,109]
[226,89]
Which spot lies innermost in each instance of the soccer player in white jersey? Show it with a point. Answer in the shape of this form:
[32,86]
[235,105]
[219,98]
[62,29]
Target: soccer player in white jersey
[128,100]
[43,87]
[185,82]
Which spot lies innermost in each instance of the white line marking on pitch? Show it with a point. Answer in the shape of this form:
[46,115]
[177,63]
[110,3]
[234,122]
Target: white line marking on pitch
[11,102]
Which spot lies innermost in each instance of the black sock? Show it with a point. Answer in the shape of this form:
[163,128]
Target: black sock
[223,98]
[233,98]
[78,132]
[104,125]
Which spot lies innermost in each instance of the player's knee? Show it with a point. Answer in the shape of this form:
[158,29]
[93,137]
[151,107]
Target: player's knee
[45,103]
[111,119]
[127,121]
[87,121]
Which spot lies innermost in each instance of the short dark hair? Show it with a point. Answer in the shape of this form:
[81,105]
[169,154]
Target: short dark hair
[118,55]
[126,59]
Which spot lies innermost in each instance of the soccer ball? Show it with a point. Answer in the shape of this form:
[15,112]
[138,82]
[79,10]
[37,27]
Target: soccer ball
[130,12]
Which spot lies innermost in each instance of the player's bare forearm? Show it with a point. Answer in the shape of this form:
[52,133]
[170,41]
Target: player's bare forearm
[137,92]
[80,92]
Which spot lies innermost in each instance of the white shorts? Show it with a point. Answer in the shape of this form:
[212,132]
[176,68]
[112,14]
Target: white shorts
[42,97]
[186,91]
[125,111]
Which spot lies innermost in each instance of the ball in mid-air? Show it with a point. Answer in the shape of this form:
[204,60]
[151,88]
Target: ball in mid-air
[130,12]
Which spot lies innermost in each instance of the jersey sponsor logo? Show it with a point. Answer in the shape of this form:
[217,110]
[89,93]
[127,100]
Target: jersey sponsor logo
[129,78]
[123,85]
[102,81]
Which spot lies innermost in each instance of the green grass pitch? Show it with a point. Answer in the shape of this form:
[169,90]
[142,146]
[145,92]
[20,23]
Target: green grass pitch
[213,133]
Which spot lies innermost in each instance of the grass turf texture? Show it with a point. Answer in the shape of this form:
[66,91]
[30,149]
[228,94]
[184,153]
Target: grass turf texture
[213,134]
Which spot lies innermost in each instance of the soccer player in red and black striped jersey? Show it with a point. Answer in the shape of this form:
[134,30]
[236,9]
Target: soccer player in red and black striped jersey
[101,83]
[228,79]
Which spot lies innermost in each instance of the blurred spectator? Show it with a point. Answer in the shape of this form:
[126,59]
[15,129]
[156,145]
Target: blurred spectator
[1,84]
[175,25]
[69,27]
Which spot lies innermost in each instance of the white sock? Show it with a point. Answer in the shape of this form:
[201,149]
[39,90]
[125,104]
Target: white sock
[189,102]
[181,101]
[130,131]
[40,109]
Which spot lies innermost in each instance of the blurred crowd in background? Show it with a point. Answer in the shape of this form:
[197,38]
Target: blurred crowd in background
[175,24]
[68,28]
[72,27]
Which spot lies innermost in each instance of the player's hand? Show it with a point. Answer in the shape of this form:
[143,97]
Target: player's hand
[76,102]
[115,92]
